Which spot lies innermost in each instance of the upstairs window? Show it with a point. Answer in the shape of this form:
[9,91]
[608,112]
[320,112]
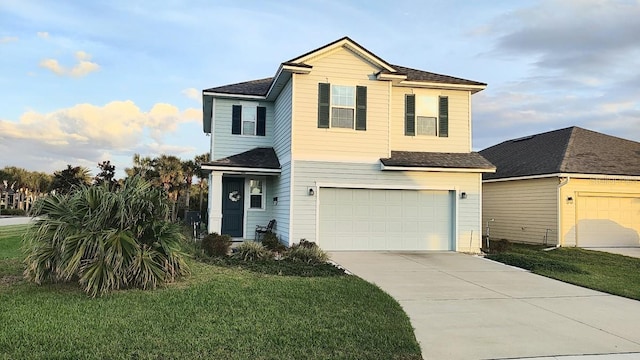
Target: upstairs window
[342,106]
[248,120]
[426,116]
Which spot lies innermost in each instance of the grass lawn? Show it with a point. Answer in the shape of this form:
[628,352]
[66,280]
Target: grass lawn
[217,313]
[611,273]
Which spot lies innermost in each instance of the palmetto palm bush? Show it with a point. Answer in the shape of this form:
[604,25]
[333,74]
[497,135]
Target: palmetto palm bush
[105,239]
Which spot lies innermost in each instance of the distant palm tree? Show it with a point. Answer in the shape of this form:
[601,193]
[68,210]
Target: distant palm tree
[201,175]
[171,178]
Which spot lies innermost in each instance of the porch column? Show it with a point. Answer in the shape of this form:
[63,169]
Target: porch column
[215,202]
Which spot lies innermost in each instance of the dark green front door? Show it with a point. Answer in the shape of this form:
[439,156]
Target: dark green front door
[232,206]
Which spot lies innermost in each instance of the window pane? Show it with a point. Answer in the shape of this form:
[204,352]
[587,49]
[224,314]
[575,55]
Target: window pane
[342,118]
[256,201]
[255,187]
[425,125]
[343,95]
[248,128]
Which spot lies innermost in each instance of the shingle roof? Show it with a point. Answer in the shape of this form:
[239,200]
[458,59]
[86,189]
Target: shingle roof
[254,87]
[471,160]
[260,87]
[258,158]
[419,75]
[570,150]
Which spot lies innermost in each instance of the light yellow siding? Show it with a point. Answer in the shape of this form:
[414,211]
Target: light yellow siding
[523,210]
[580,189]
[340,67]
[459,126]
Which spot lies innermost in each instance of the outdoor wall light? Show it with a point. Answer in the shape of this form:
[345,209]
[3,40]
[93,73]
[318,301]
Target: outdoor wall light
[463,195]
[569,199]
[311,192]
[275,200]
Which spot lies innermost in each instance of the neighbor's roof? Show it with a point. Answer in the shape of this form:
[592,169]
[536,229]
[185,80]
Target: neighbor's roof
[571,150]
[257,158]
[471,160]
[260,87]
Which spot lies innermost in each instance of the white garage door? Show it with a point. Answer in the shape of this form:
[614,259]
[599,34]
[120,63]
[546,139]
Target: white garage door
[608,221]
[380,219]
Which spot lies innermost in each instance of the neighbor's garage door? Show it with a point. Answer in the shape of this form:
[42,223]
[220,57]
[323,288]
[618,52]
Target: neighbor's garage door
[377,219]
[606,220]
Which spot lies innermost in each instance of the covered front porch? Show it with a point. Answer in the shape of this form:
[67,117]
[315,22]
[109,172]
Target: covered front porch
[243,193]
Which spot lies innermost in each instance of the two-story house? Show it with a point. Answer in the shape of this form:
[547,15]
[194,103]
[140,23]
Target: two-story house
[346,150]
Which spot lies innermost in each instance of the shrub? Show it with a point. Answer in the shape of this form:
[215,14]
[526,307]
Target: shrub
[105,239]
[499,246]
[271,242]
[216,245]
[16,212]
[307,252]
[252,251]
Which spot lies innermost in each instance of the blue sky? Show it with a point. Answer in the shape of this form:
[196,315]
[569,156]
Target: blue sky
[86,81]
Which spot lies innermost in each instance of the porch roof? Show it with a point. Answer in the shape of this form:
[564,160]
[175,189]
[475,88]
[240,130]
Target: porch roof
[260,159]
[436,160]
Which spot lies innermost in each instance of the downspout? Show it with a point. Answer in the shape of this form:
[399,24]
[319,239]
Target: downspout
[559,232]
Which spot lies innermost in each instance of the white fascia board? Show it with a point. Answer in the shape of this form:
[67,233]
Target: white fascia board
[432,85]
[372,58]
[234,96]
[384,186]
[565,175]
[434,169]
[399,77]
[241,170]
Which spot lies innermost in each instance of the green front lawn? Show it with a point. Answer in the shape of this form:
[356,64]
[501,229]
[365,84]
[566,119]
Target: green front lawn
[611,273]
[217,313]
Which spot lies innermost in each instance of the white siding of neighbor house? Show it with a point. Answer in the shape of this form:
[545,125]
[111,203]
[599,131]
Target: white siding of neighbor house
[523,210]
[313,173]
[226,144]
[340,67]
[459,139]
[604,187]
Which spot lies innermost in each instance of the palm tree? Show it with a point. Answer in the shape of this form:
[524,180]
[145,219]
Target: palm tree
[189,170]
[105,239]
[170,175]
[202,176]
[66,180]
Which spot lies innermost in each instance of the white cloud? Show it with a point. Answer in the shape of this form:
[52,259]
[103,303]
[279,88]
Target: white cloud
[82,68]
[43,34]
[193,93]
[86,134]
[8,39]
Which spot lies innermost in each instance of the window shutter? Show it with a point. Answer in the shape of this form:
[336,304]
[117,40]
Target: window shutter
[443,117]
[410,115]
[361,108]
[262,121]
[236,120]
[323,105]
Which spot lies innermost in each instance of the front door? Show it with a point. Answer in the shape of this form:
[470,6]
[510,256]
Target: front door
[232,206]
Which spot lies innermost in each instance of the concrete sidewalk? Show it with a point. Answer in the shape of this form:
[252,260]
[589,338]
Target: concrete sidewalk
[467,307]
[626,251]
[14,220]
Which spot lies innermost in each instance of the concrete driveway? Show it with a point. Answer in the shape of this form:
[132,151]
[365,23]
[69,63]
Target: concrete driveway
[467,307]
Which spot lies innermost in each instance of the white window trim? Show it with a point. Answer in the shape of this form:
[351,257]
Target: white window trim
[332,106]
[248,191]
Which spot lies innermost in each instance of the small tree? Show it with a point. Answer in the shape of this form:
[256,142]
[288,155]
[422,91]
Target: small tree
[72,177]
[106,175]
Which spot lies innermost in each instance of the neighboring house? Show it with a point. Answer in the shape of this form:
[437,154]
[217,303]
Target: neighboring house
[346,150]
[569,187]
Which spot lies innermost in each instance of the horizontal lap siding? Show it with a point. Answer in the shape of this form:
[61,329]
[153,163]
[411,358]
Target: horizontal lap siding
[282,124]
[574,187]
[340,67]
[278,186]
[309,173]
[459,129]
[226,144]
[523,210]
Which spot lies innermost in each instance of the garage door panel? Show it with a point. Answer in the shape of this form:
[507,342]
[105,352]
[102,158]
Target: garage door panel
[382,219]
[608,220]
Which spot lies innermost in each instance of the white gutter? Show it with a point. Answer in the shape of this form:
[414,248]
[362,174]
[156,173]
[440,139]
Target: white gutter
[229,169]
[432,85]
[559,233]
[435,169]
[561,175]
[234,96]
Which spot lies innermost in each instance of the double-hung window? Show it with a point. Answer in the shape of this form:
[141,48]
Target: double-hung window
[341,106]
[248,120]
[426,116]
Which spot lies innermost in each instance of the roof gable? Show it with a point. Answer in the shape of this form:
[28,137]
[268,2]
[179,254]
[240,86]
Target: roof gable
[570,150]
